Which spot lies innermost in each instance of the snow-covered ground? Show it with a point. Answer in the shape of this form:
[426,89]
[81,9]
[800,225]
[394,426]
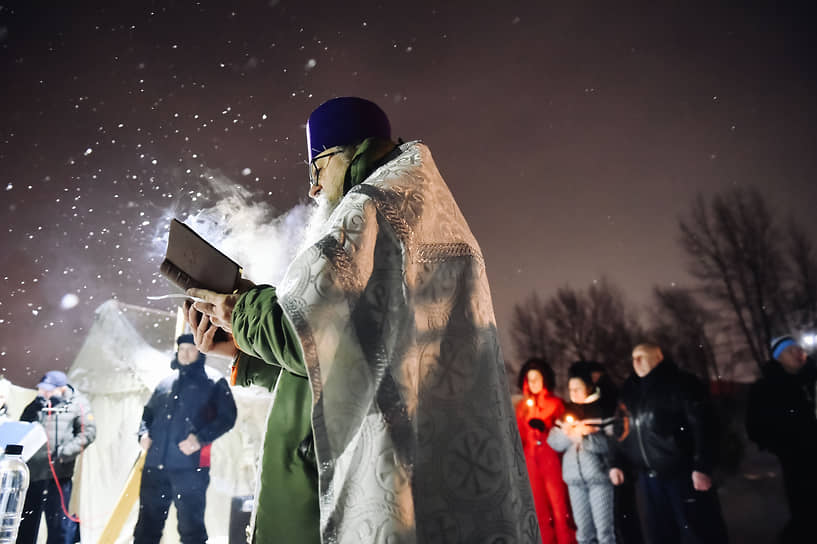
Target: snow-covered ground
[753,501]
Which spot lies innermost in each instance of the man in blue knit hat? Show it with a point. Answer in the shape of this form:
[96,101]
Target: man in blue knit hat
[187,411]
[392,420]
[781,418]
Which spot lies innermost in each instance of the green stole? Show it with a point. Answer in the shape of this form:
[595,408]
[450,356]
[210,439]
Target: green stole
[370,154]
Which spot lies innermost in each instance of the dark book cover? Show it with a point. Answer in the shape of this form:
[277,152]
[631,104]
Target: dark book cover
[191,261]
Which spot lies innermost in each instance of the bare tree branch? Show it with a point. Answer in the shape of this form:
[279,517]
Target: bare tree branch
[681,327]
[803,282]
[734,248]
[572,325]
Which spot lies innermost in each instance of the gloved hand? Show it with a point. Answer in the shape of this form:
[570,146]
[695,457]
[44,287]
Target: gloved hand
[537,424]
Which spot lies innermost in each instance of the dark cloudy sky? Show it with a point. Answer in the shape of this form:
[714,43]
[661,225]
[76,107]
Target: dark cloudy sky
[573,134]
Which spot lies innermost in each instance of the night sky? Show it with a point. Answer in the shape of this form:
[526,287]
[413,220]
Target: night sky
[572,136]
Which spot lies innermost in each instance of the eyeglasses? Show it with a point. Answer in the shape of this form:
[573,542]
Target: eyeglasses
[314,171]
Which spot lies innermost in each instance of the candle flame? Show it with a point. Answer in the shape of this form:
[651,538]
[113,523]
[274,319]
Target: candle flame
[529,402]
[569,419]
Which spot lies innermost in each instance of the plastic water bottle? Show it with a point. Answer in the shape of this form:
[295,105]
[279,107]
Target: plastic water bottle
[13,487]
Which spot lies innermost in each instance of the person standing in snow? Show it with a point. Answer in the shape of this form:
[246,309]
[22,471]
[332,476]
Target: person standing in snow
[69,425]
[187,411]
[781,418]
[671,443]
[536,414]
[392,419]
[584,463]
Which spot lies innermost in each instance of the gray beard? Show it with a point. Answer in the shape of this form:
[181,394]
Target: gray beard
[316,224]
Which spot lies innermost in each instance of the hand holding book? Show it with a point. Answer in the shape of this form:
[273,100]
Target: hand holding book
[212,313]
[204,334]
[218,307]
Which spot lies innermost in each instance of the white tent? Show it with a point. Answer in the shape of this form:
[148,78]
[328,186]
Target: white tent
[127,352]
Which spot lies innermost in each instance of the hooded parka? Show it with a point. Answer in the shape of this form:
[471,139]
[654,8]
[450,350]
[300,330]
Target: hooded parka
[189,401]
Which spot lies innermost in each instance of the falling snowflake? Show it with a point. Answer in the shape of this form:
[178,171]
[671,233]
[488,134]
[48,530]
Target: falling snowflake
[69,300]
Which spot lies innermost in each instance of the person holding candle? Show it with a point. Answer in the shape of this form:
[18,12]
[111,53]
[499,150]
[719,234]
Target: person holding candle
[536,415]
[584,464]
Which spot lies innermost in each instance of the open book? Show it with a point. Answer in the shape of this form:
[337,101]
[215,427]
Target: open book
[190,261]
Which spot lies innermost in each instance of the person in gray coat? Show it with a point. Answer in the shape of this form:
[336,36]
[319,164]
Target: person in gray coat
[66,415]
[584,465]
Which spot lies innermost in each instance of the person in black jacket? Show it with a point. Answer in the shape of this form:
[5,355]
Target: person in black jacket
[186,413]
[781,418]
[670,441]
[69,425]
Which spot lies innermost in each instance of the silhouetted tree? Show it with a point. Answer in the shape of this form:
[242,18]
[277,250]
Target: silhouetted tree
[530,328]
[681,325]
[803,282]
[736,252]
[591,324]
[530,334]
[595,324]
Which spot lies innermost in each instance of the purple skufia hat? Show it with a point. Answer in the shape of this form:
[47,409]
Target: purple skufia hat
[347,120]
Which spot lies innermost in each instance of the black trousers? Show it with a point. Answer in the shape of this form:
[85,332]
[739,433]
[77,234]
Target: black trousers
[628,524]
[674,510]
[187,489]
[800,484]
[43,497]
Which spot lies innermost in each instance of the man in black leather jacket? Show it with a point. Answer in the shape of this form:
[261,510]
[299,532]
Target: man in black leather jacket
[781,418]
[670,440]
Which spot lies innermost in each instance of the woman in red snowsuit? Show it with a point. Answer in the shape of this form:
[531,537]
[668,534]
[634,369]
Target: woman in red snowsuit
[536,413]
